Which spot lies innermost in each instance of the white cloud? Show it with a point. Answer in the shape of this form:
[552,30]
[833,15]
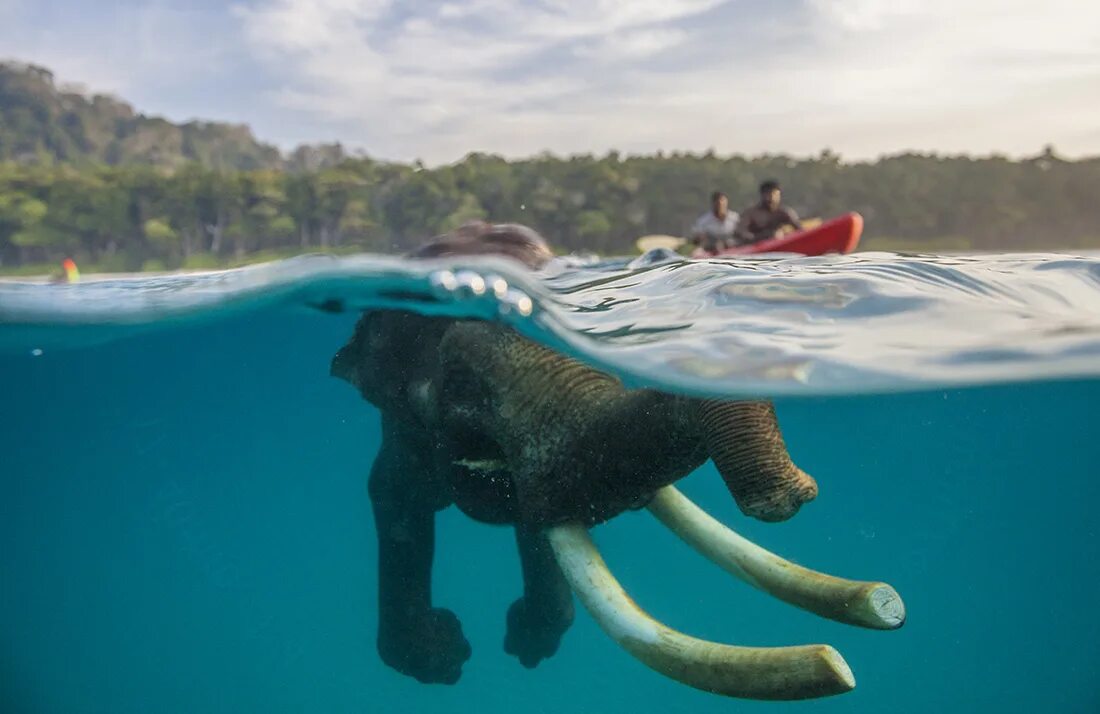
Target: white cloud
[440,78]
[862,76]
[981,48]
[864,15]
[116,49]
[985,75]
[483,74]
[632,45]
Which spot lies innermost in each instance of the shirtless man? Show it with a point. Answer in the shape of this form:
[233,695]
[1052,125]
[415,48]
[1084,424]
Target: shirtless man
[761,221]
[714,230]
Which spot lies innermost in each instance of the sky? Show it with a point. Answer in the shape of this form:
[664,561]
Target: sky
[435,80]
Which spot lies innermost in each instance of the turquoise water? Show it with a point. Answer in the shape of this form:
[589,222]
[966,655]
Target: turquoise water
[185,526]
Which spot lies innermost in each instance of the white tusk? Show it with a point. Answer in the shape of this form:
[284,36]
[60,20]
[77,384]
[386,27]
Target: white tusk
[799,672]
[855,602]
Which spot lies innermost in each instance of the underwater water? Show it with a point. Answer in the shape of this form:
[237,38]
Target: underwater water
[185,526]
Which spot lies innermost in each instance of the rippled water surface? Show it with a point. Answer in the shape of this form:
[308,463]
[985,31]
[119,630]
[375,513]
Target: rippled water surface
[795,325]
[185,526]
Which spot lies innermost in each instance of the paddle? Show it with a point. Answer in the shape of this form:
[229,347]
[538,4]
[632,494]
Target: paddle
[650,242]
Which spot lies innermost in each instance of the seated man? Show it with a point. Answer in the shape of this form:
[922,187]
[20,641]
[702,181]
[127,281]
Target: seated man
[714,230]
[762,220]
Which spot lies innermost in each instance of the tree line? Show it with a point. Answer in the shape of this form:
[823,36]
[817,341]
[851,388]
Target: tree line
[132,217]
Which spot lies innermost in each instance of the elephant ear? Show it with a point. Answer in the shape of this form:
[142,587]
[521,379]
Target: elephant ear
[391,358]
[576,444]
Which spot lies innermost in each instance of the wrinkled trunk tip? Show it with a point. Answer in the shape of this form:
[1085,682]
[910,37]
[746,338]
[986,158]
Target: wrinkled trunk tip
[744,440]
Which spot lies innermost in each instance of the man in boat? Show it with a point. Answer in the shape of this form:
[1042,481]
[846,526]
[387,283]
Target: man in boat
[714,230]
[764,219]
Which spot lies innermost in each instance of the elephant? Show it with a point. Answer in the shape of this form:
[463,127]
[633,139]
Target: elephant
[514,433]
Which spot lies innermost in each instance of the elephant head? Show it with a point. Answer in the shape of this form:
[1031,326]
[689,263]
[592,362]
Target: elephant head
[515,433]
[537,438]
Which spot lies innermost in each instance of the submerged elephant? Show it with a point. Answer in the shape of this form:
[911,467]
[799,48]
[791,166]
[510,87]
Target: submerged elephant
[514,433]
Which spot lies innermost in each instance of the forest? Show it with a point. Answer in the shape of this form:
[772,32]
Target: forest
[75,182]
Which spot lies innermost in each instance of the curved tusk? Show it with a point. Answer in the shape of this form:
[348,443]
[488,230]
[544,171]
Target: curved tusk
[855,602]
[799,672]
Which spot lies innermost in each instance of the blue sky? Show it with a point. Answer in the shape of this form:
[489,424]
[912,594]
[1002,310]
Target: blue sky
[435,80]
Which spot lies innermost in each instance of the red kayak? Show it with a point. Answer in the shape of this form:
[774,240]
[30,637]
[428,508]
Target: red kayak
[839,235]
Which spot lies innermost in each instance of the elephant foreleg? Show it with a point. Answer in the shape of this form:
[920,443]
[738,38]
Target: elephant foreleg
[414,638]
[538,619]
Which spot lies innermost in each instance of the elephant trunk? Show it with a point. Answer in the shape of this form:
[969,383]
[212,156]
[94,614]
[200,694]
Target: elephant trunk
[743,439]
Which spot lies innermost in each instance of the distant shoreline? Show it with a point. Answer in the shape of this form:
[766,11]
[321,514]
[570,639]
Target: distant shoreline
[46,278]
